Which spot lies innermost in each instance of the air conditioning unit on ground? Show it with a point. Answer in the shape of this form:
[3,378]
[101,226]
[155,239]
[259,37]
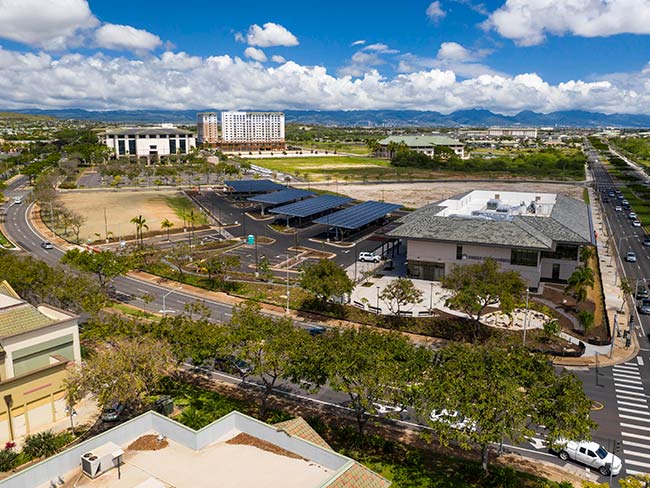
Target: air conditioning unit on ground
[101,459]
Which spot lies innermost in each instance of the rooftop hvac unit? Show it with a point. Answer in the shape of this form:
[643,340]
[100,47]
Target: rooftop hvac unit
[101,459]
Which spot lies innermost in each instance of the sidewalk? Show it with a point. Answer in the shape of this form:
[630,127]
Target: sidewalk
[616,306]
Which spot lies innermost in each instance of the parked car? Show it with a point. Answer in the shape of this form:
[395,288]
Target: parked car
[630,257]
[618,208]
[636,223]
[231,364]
[370,257]
[316,330]
[452,418]
[112,412]
[591,454]
[625,202]
[644,307]
[641,293]
[47,245]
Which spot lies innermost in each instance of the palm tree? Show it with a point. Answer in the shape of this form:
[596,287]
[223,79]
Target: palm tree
[586,253]
[579,282]
[166,225]
[140,223]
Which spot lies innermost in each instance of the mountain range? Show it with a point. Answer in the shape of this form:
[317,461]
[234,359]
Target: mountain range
[375,118]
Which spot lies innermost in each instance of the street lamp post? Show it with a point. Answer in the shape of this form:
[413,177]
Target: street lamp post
[378,300]
[526,316]
[287,310]
[431,296]
[164,309]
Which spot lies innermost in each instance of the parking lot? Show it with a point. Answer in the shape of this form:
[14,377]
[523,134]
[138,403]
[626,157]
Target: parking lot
[309,242]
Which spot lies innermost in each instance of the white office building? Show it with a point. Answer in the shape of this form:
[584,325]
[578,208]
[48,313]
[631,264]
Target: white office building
[207,125]
[248,131]
[146,142]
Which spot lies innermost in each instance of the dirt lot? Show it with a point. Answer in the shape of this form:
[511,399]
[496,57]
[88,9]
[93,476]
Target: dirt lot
[415,195]
[121,207]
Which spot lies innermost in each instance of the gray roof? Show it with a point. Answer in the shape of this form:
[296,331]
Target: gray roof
[569,222]
[150,131]
[421,141]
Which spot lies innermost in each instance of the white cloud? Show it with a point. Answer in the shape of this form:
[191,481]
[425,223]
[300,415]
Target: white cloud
[126,38]
[358,43]
[454,51]
[435,11]
[269,35]
[51,24]
[380,48]
[180,81]
[276,58]
[366,59]
[255,54]
[527,22]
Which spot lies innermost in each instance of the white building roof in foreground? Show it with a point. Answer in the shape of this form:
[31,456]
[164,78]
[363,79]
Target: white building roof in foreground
[234,451]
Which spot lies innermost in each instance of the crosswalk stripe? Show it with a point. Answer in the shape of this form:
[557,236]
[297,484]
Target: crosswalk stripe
[639,359]
[635,436]
[625,369]
[638,405]
[626,366]
[637,463]
[627,374]
[636,453]
[636,444]
[623,409]
[632,387]
[632,417]
[627,380]
[635,393]
[633,472]
[629,364]
[636,427]
[624,397]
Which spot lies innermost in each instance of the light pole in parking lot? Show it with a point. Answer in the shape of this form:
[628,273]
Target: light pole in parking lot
[164,309]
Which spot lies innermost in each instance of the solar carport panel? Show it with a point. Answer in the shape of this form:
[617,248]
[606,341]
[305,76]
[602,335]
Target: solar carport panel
[312,206]
[358,215]
[283,196]
[253,186]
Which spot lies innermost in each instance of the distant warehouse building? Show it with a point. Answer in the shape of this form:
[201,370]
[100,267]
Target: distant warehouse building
[207,128]
[252,131]
[538,235]
[424,144]
[151,141]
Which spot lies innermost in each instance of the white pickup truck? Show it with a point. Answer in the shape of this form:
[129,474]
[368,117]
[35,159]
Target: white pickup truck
[591,454]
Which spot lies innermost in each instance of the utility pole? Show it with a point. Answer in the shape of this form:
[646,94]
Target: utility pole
[287,264]
[526,316]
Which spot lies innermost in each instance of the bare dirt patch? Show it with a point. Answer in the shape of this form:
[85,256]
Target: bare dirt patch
[416,195]
[148,442]
[120,207]
[248,440]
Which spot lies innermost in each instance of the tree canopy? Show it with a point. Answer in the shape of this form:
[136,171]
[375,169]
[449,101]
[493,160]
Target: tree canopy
[325,279]
[105,265]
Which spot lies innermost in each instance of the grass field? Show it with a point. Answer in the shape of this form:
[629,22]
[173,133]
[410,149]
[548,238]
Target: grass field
[360,149]
[182,206]
[331,167]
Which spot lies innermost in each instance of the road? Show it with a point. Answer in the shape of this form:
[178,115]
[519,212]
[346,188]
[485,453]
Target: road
[623,390]
[19,229]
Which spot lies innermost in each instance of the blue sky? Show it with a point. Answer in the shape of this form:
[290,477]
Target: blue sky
[502,55]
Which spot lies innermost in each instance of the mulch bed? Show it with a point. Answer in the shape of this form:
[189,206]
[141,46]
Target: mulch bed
[244,439]
[148,442]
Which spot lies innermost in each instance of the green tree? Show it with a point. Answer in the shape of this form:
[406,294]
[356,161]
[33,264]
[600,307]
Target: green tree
[635,481]
[586,253]
[503,393]
[73,388]
[477,286]
[128,370]
[325,279]
[274,348]
[580,282]
[167,225]
[140,223]
[105,265]
[399,293]
[369,367]
[586,319]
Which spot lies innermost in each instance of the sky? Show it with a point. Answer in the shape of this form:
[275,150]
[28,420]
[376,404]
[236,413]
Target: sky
[501,55]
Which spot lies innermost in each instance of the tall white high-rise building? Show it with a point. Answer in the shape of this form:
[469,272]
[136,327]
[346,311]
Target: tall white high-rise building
[207,128]
[252,131]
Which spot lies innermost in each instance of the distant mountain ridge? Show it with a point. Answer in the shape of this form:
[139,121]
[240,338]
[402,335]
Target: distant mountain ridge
[388,118]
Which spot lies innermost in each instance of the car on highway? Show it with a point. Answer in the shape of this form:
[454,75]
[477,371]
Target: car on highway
[636,223]
[631,215]
[47,245]
[625,202]
[18,200]
[453,419]
[644,307]
[646,241]
[370,257]
[630,257]
[591,454]
[641,293]
[618,208]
